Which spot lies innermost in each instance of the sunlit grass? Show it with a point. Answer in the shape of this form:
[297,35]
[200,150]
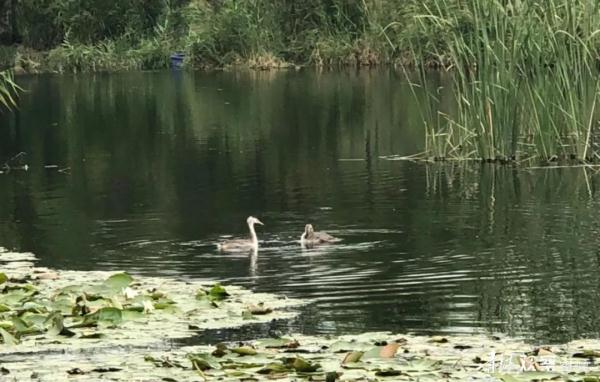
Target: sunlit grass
[8,90]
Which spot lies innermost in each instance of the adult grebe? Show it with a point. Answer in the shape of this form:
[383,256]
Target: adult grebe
[242,245]
[310,237]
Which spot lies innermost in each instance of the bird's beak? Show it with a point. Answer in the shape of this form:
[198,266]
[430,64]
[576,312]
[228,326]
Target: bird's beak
[259,222]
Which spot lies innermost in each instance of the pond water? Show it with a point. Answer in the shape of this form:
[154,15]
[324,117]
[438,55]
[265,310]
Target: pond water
[154,168]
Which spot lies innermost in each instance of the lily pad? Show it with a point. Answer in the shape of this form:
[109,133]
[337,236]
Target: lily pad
[302,365]
[216,293]
[105,316]
[347,346]
[278,343]
[352,357]
[119,281]
[204,362]
[244,350]
[20,325]
[163,362]
[587,354]
[389,350]
[15,297]
[36,320]
[131,314]
[273,368]
[7,338]
[55,324]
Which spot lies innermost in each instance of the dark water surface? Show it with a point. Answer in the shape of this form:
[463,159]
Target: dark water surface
[160,165]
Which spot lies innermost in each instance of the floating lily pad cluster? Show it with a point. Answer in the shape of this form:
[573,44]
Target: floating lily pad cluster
[26,310]
[44,311]
[385,357]
[365,357]
[90,326]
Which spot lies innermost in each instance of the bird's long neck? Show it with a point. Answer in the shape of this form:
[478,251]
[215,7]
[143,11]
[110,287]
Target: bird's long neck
[308,234]
[253,234]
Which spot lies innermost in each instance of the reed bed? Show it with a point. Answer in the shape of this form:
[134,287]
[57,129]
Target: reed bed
[524,80]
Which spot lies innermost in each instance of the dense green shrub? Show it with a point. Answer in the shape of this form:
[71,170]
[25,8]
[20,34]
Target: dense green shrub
[46,23]
[39,24]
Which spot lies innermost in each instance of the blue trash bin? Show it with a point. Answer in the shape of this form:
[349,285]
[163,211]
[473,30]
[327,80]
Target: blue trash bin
[177,60]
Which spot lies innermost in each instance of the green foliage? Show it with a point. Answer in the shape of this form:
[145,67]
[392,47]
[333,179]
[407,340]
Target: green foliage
[118,281]
[39,23]
[90,21]
[8,90]
[232,32]
[525,82]
[107,316]
[45,23]
[216,293]
[81,34]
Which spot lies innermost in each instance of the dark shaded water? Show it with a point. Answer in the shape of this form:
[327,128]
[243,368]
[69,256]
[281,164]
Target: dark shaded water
[160,165]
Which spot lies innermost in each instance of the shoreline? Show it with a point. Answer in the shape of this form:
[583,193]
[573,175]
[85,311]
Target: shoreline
[24,61]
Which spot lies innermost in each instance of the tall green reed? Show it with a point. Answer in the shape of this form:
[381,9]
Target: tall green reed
[524,78]
[8,90]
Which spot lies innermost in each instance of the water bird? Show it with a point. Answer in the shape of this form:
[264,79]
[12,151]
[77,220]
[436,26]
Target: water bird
[311,237]
[242,245]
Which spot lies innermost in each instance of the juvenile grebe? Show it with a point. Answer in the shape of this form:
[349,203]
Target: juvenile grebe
[242,245]
[310,237]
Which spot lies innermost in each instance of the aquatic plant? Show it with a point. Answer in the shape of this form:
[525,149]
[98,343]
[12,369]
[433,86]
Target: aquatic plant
[523,79]
[43,309]
[62,325]
[8,90]
[382,356]
[366,356]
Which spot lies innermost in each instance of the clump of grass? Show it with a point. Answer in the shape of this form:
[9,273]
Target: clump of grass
[266,61]
[112,55]
[524,79]
[77,57]
[233,33]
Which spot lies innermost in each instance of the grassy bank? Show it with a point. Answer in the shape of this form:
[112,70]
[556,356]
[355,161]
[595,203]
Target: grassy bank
[102,36]
[63,36]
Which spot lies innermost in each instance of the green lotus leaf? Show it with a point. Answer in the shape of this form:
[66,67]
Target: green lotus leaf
[203,361]
[118,281]
[244,350]
[7,338]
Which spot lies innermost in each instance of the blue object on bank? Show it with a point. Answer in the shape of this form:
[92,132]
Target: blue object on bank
[177,60]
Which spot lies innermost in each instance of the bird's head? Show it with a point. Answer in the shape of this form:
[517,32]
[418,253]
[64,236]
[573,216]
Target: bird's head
[252,220]
[308,229]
